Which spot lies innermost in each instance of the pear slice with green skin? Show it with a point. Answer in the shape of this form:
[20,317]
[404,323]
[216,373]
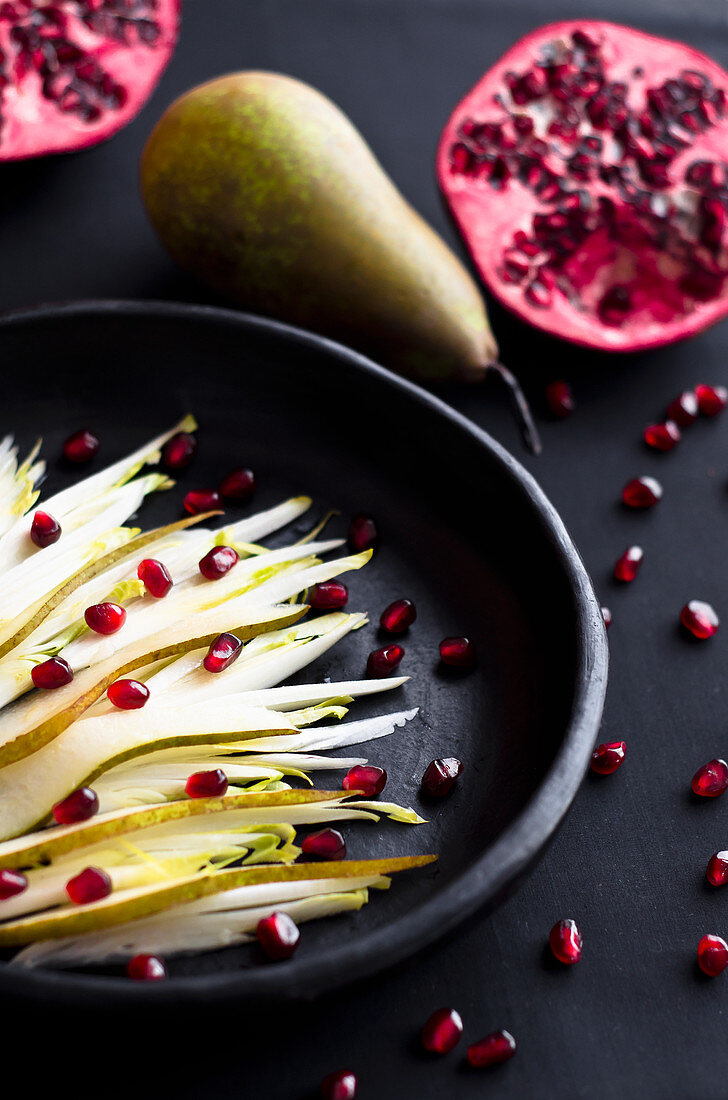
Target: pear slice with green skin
[22,626]
[143,901]
[46,718]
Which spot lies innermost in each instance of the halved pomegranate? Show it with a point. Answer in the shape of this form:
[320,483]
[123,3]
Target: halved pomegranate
[73,72]
[587,171]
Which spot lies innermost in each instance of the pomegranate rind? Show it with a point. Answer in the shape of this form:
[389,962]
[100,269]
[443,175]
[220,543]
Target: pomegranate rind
[488,218]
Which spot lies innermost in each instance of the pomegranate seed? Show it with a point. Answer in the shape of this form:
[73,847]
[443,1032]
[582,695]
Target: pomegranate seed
[80,805]
[278,935]
[566,941]
[155,577]
[560,399]
[497,1047]
[222,653]
[628,566]
[51,674]
[711,399]
[105,618]
[700,619]
[662,437]
[218,561]
[711,780]
[398,617]
[642,492]
[440,775]
[717,870]
[712,955]
[326,844]
[684,409]
[608,757]
[238,485]
[44,530]
[442,1032]
[339,1086]
[607,616]
[179,451]
[81,446]
[202,500]
[381,662]
[12,883]
[146,968]
[365,778]
[458,652]
[328,596]
[363,532]
[212,784]
[91,884]
[128,694]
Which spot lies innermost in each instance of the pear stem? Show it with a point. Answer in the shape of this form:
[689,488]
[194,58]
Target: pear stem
[520,407]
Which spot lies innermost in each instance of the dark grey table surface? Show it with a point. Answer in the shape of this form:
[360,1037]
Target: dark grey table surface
[634,1019]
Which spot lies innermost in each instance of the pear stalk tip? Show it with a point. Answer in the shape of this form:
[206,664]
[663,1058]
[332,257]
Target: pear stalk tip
[520,406]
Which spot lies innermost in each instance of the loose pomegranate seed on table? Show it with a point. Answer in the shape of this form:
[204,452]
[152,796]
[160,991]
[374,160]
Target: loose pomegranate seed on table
[238,484]
[699,619]
[711,780]
[91,884]
[608,757]
[683,410]
[105,618]
[442,1032]
[341,1085]
[717,870]
[209,784]
[278,935]
[44,530]
[146,968]
[155,577]
[366,778]
[179,451]
[495,1048]
[382,662]
[662,437]
[128,694]
[51,674]
[328,596]
[712,955]
[566,942]
[81,446]
[560,399]
[202,500]
[363,534]
[12,883]
[458,652]
[628,565]
[222,653]
[398,616]
[218,561]
[325,844]
[711,399]
[440,775]
[79,805]
[642,492]
[607,616]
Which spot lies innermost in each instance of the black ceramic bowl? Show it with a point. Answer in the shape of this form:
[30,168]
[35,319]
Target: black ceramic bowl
[465,532]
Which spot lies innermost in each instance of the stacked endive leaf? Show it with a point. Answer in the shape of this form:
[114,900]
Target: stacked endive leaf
[186,874]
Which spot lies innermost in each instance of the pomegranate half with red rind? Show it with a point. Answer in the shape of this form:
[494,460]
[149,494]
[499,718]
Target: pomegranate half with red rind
[588,173]
[73,72]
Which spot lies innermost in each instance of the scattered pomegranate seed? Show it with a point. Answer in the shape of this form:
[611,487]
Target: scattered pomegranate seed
[105,618]
[44,530]
[12,883]
[442,1032]
[222,653]
[91,884]
[365,778]
[146,968]
[179,451]
[608,757]
[81,446]
[712,955]
[717,870]
[218,561]
[628,566]
[642,492]
[711,780]
[497,1047]
[238,484]
[711,399]
[328,596]
[80,805]
[700,619]
[566,941]
[326,844]
[607,616]
[212,784]
[440,775]
[278,935]
[363,532]
[202,500]
[560,399]
[155,577]
[339,1086]
[128,694]
[51,674]
[684,409]
[382,662]
[662,437]
[398,617]
[458,652]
